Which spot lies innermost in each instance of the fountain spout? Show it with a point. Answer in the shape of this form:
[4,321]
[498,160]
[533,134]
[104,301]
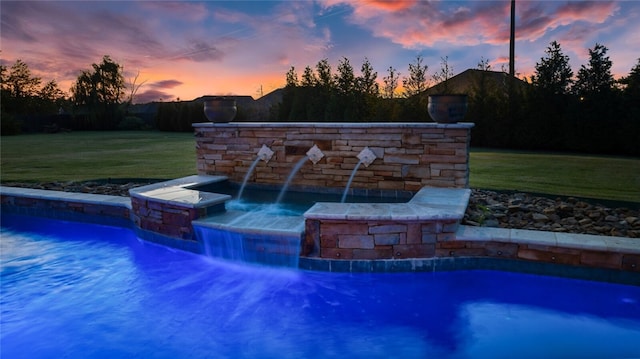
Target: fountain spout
[366,156]
[315,154]
[265,153]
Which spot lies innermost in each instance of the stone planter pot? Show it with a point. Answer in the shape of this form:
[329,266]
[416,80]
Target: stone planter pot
[220,110]
[447,108]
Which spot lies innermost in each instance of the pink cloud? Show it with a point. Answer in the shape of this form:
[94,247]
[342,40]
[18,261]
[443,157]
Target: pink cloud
[418,24]
[535,19]
[390,5]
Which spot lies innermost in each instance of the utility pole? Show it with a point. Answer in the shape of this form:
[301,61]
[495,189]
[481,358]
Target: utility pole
[512,41]
[512,66]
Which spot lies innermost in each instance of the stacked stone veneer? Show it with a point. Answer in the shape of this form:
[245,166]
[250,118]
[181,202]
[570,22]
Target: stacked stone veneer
[379,239]
[572,253]
[386,230]
[169,208]
[172,220]
[410,155]
[66,206]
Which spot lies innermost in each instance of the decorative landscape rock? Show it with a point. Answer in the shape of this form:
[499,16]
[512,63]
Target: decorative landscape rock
[570,215]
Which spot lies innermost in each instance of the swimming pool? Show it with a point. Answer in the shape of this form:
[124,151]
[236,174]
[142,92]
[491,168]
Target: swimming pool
[79,291]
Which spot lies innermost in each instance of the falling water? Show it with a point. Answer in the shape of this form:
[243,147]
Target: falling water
[265,154]
[291,175]
[365,157]
[258,248]
[353,173]
[246,176]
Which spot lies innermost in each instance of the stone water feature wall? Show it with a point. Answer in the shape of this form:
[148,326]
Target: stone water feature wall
[409,155]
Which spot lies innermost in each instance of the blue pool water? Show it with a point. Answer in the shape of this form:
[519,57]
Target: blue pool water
[74,290]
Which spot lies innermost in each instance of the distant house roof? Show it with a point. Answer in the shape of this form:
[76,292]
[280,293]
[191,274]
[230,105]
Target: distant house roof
[466,81]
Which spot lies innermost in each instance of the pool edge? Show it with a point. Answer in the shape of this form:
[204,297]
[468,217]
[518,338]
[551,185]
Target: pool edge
[116,211]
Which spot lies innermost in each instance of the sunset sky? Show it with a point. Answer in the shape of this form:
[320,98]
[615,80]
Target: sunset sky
[188,49]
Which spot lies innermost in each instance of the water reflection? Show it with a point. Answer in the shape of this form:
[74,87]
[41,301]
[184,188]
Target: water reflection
[87,291]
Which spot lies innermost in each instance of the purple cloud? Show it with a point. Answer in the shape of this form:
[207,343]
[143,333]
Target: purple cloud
[153,95]
[166,84]
[200,51]
[185,10]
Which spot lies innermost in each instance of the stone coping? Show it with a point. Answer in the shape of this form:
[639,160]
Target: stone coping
[428,204]
[177,192]
[551,239]
[77,197]
[337,124]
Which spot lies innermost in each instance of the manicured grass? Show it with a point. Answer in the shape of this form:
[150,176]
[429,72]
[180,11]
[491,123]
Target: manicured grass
[601,177]
[81,156]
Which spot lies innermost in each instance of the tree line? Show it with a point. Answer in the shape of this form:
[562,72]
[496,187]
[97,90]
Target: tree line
[554,109]
[557,111]
[97,102]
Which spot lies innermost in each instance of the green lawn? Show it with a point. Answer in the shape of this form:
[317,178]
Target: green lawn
[602,177]
[80,156]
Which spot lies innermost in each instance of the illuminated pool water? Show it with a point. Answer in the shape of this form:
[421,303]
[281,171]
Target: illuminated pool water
[85,291]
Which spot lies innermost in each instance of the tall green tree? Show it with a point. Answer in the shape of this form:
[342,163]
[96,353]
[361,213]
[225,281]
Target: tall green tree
[367,93]
[442,76]
[630,111]
[390,83]
[321,105]
[417,82]
[292,77]
[324,77]
[343,101]
[595,78]
[544,125]
[553,73]
[308,77]
[367,82]
[101,90]
[631,83]
[415,104]
[282,110]
[345,80]
[599,106]
[21,82]
[51,91]
[51,97]
[4,90]
[104,84]
[20,88]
